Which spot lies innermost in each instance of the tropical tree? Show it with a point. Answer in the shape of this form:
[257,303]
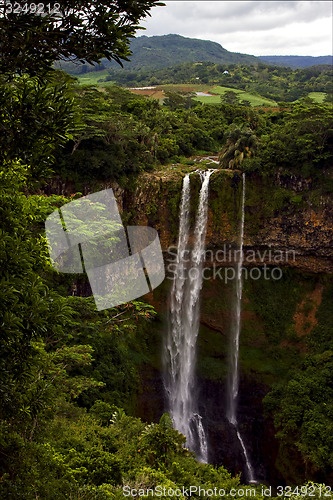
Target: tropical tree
[303,410]
[35,119]
[34,36]
[241,143]
[230,97]
[177,100]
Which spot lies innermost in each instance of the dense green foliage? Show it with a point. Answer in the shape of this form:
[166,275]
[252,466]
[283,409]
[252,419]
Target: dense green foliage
[34,36]
[297,141]
[118,133]
[302,403]
[35,119]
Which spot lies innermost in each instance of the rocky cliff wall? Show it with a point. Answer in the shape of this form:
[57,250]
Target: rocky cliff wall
[281,215]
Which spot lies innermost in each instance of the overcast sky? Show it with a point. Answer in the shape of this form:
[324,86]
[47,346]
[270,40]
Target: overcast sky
[251,27]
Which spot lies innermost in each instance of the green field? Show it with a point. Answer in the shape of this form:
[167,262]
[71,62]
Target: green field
[317,96]
[255,100]
[92,78]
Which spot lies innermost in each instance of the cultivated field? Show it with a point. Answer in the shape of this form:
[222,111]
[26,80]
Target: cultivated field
[158,91]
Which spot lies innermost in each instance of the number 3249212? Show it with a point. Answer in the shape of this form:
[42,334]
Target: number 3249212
[29,8]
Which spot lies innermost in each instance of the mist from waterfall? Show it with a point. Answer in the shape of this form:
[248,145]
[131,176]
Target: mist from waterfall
[233,372]
[180,346]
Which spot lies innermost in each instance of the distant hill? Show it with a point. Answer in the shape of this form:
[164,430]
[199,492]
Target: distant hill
[170,50]
[158,52]
[297,61]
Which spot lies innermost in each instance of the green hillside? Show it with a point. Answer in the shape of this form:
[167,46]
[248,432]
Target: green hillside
[169,50]
[158,52]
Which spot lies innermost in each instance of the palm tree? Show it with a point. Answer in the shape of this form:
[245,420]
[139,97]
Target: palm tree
[241,143]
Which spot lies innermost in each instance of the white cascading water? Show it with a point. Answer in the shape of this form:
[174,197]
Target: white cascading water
[249,468]
[180,346]
[177,391]
[233,382]
[202,439]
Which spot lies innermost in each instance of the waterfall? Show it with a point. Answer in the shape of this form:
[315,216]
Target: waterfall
[233,380]
[202,439]
[249,468]
[180,346]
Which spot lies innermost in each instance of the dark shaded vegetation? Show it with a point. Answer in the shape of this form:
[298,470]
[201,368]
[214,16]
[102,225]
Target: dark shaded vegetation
[302,403]
[120,134]
[33,37]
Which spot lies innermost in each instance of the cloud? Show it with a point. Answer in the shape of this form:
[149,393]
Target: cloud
[264,27]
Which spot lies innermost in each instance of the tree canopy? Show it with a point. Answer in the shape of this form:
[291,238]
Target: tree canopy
[33,38]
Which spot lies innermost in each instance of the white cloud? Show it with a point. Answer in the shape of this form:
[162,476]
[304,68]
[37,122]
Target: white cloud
[252,27]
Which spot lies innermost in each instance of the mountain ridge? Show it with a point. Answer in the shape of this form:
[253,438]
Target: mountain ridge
[164,51]
[297,61]
[185,49]
[157,52]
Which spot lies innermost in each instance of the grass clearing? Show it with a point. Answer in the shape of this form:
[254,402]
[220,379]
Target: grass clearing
[317,96]
[92,78]
[254,100]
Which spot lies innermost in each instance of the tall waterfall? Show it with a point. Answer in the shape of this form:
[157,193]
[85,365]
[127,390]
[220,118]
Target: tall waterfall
[180,346]
[233,379]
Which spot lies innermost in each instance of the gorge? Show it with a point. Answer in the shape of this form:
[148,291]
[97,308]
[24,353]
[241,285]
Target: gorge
[273,237]
[278,316]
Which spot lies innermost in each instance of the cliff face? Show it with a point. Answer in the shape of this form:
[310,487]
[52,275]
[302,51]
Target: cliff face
[286,226]
[282,216]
